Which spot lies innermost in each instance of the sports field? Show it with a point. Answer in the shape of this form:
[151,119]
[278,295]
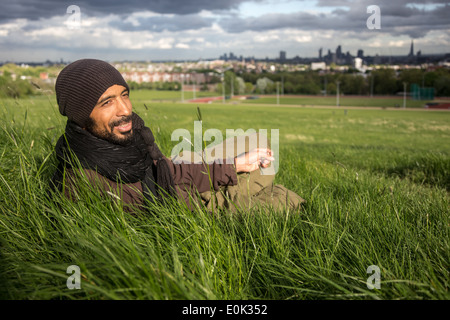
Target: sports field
[376,182]
[344,101]
[288,100]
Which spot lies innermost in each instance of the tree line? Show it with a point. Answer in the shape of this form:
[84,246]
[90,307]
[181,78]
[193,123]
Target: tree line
[384,81]
[18,82]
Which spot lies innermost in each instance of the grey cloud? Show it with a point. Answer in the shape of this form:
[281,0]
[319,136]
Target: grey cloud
[350,3]
[396,19]
[34,10]
[264,23]
[162,23]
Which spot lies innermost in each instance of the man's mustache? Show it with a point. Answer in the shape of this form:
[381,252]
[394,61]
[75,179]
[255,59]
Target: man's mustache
[116,123]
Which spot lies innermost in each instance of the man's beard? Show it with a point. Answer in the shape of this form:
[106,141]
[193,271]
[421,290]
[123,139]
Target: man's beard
[109,135]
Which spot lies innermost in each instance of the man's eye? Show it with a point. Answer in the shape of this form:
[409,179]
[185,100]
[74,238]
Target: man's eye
[107,102]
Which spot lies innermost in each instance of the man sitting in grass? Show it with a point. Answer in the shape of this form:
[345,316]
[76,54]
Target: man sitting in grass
[118,156]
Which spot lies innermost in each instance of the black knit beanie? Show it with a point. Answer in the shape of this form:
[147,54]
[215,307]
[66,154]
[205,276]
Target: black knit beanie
[80,84]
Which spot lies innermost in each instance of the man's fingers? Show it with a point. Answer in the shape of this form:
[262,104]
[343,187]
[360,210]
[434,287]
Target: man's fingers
[265,156]
[265,150]
[256,158]
[265,153]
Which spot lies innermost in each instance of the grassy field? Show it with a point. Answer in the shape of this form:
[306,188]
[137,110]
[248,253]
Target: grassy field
[152,95]
[376,184]
[344,101]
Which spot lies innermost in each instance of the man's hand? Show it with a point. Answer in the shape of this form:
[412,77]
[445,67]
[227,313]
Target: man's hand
[252,160]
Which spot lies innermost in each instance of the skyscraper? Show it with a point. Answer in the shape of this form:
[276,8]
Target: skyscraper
[338,52]
[411,51]
[360,53]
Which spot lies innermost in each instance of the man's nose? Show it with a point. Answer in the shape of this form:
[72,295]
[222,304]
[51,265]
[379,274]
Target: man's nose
[123,108]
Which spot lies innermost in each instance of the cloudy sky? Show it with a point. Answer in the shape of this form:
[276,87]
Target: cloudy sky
[32,30]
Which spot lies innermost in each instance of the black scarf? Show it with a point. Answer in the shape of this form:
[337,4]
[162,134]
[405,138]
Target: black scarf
[128,164]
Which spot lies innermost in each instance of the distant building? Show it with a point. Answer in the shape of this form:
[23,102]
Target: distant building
[357,63]
[318,66]
[282,55]
[338,52]
[360,53]
[144,76]
[333,58]
[411,50]
[377,59]
[230,57]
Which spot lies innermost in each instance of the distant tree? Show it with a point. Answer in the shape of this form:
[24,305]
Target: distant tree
[271,87]
[331,88]
[385,81]
[251,77]
[249,87]
[214,78]
[219,88]
[288,87]
[262,85]
[15,88]
[438,79]
[353,84]
[204,87]
[442,86]
[240,85]
[231,83]
[133,85]
[430,78]
[411,76]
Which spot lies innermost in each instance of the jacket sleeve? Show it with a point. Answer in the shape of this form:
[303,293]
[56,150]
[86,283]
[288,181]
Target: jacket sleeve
[196,175]
[130,194]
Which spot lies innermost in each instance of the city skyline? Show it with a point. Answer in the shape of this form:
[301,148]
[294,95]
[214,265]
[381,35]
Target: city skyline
[195,29]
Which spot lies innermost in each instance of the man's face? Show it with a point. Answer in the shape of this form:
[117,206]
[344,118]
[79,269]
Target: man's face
[111,117]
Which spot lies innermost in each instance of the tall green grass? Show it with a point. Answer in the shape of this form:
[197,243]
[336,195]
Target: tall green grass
[376,185]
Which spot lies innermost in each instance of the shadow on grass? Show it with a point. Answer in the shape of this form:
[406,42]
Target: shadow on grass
[424,168]
[431,170]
